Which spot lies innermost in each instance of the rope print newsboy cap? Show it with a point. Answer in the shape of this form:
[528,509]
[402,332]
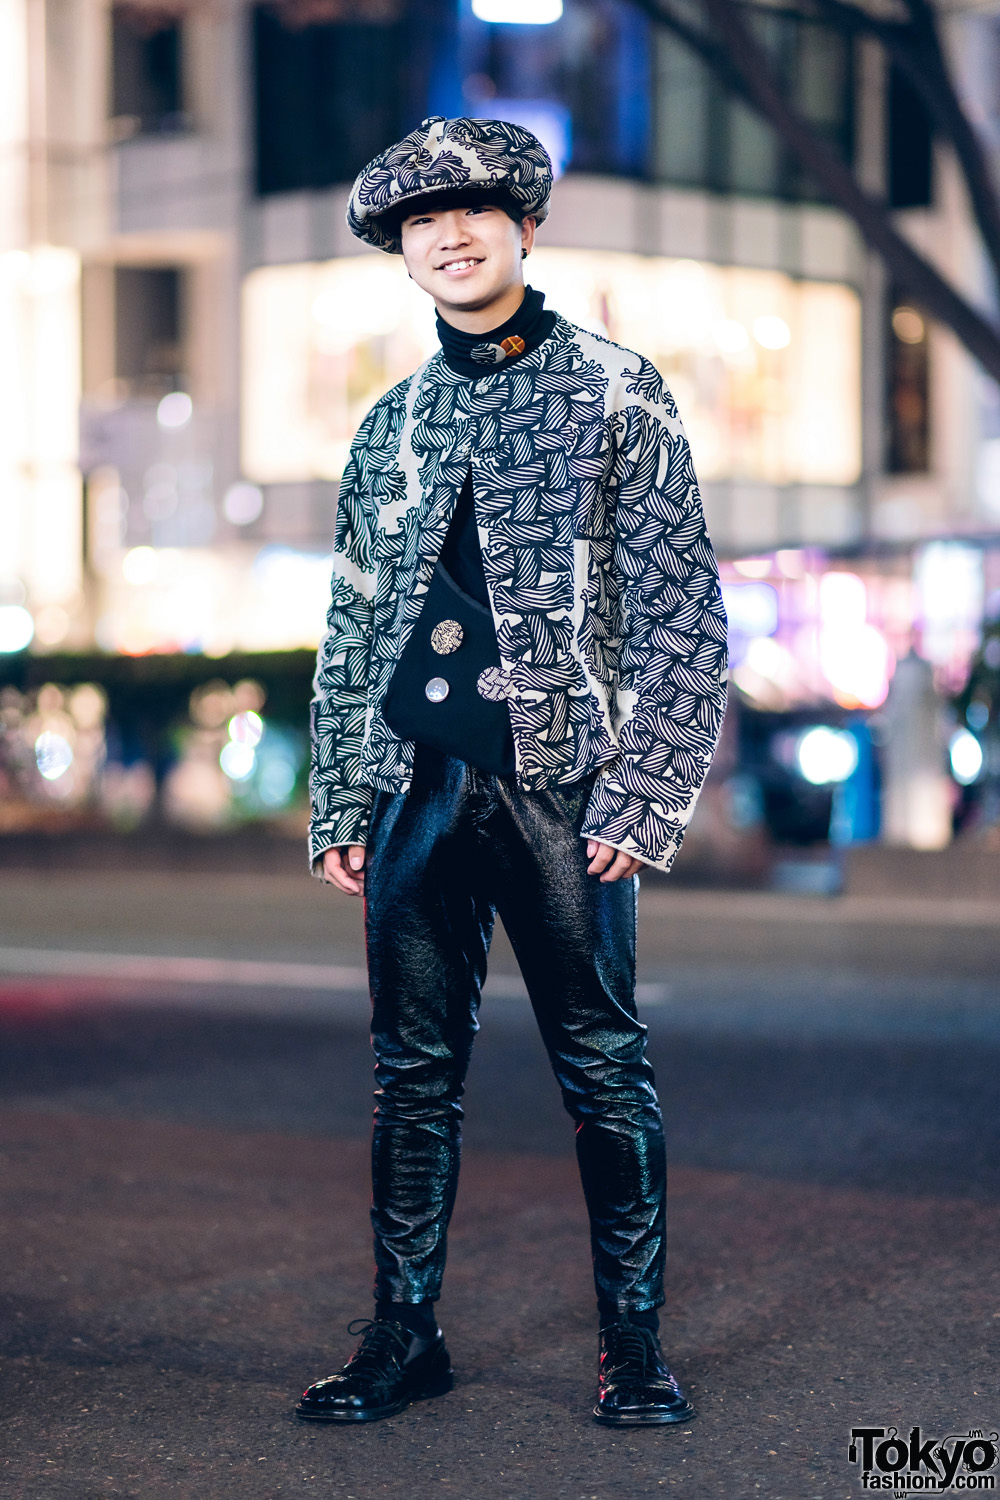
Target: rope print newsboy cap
[449,155]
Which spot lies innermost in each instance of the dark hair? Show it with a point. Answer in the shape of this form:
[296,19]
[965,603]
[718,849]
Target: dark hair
[445,199]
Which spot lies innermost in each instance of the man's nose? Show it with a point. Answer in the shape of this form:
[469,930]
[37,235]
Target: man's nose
[453,231]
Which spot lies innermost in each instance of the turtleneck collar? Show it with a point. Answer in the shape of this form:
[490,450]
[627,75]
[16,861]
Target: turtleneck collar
[478,353]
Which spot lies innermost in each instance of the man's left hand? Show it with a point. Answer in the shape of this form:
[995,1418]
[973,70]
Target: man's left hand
[614,863]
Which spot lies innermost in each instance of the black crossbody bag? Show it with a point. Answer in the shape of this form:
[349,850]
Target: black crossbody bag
[437,694]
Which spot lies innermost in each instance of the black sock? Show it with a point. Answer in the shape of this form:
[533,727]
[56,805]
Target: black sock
[416,1317]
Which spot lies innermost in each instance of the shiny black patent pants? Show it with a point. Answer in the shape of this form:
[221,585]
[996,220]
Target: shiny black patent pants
[443,859]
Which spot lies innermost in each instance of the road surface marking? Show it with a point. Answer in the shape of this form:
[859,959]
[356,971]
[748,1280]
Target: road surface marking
[143,968]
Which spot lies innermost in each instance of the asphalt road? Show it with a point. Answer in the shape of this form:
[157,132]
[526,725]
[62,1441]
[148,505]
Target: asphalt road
[185,1191]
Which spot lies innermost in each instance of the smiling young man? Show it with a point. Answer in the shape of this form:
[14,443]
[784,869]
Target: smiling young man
[517,700]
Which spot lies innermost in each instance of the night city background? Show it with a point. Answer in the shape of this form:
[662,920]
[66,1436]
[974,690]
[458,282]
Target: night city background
[793,209]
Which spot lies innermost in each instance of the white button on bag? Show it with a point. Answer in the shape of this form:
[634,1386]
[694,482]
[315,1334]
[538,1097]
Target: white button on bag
[437,690]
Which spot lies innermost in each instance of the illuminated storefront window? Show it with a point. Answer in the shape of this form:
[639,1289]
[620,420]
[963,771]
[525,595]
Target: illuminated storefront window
[195,599]
[40,520]
[321,343]
[765,369]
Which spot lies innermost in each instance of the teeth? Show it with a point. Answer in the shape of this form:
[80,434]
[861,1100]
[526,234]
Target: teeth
[459,265]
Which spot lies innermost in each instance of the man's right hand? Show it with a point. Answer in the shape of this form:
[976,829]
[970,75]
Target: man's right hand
[345,868]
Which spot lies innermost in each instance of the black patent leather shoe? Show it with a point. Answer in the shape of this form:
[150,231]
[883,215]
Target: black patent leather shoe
[390,1368]
[634,1385]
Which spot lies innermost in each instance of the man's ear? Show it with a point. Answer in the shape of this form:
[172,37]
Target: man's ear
[528,226]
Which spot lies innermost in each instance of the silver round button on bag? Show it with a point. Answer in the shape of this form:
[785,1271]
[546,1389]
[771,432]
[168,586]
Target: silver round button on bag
[437,690]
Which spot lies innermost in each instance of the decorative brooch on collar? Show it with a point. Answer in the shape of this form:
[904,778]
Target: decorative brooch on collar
[495,354]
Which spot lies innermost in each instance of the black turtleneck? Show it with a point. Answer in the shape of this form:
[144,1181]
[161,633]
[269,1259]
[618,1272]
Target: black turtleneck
[475,354]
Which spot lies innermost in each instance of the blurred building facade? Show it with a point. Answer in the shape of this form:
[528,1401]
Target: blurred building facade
[190,334]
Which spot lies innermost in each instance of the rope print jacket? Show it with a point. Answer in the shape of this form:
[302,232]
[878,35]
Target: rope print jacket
[602,580]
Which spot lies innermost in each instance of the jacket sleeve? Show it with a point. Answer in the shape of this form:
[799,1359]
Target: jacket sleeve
[340,802]
[671,694]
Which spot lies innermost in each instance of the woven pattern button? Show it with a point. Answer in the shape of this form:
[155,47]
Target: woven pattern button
[493,684]
[446,637]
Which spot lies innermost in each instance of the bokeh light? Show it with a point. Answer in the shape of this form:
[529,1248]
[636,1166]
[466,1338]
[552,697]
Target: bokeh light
[731,336]
[242,503]
[858,664]
[246,729]
[237,760]
[52,624]
[518,12]
[277,781]
[908,325]
[16,627]
[753,567]
[854,656]
[752,608]
[140,565]
[966,756]
[175,410]
[772,332]
[53,755]
[827,755]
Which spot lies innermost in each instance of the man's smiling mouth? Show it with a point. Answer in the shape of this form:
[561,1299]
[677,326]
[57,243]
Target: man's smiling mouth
[460,265]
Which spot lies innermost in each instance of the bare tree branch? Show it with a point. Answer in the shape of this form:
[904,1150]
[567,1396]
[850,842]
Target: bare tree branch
[757,82]
[848,17]
[927,70]
[708,50]
[842,14]
[910,268]
[914,45]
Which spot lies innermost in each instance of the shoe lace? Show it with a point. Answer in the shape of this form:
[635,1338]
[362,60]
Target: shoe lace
[380,1339]
[629,1345]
